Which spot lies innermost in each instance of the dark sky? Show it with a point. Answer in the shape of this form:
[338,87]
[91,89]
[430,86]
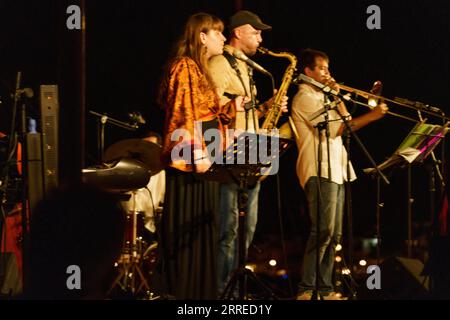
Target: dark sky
[129,41]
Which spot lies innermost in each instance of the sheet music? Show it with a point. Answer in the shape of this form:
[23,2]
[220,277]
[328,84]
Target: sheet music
[416,147]
[409,154]
[423,138]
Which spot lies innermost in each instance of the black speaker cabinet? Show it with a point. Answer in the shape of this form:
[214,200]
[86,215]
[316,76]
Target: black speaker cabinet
[401,279]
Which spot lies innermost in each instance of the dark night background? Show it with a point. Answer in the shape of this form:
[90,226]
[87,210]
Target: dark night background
[128,43]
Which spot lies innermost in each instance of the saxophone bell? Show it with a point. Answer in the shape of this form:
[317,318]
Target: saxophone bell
[274,112]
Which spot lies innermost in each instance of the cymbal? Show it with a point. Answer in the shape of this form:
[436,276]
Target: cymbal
[147,152]
[123,176]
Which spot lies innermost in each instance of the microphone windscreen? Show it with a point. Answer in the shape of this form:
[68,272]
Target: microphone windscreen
[28,92]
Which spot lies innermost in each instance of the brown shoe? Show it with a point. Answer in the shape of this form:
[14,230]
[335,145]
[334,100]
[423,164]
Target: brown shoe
[334,296]
[306,295]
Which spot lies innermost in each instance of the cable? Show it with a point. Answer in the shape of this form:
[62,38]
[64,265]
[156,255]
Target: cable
[353,284]
[283,246]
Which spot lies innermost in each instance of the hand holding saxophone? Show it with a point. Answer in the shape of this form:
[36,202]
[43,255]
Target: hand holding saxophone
[240,102]
[283,102]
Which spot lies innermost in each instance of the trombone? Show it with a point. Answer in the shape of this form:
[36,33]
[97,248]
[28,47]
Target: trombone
[368,95]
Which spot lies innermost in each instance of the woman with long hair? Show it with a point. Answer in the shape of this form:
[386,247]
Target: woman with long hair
[189,98]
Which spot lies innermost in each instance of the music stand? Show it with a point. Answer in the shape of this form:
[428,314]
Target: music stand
[242,165]
[415,148]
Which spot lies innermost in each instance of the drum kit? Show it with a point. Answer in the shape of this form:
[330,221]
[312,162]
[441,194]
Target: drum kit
[129,166]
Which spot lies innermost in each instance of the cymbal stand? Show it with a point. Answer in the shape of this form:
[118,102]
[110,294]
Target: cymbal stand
[102,120]
[131,278]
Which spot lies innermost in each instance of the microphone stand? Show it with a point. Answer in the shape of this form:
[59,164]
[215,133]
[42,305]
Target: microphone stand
[348,201]
[324,125]
[380,176]
[252,102]
[25,184]
[103,119]
[15,136]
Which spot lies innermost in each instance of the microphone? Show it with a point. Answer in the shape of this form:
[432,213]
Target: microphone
[28,92]
[136,118]
[321,86]
[330,106]
[431,108]
[241,56]
[418,105]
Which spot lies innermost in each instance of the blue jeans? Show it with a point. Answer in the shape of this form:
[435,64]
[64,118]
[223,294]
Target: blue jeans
[332,209]
[229,220]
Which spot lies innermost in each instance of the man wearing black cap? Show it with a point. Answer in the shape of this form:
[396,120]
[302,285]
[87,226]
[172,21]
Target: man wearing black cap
[233,78]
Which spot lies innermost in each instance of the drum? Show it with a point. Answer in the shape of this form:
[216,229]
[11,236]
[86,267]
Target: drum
[134,233]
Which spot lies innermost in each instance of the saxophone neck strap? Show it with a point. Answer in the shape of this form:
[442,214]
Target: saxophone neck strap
[233,63]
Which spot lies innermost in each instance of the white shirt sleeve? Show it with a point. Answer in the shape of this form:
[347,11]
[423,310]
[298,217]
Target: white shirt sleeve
[312,111]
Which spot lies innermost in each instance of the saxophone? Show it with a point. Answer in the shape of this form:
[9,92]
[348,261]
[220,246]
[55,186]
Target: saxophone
[274,113]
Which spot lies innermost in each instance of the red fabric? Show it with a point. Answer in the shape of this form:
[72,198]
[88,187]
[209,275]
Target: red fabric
[19,158]
[13,243]
[443,215]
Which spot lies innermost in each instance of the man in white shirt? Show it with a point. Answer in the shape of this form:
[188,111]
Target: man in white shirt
[332,175]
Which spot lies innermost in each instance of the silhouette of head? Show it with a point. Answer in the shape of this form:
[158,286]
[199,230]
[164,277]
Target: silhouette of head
[75,226]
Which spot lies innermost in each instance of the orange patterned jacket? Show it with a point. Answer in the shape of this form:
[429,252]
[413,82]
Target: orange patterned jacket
[190,98]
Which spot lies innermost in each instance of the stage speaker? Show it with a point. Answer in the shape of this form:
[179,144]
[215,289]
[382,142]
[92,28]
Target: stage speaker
[35,181]
[49,125]
[438,267]
[403,279]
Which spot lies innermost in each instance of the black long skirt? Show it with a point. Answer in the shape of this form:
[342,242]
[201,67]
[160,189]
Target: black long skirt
[188,235]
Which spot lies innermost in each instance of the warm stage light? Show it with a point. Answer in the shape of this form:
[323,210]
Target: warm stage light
[281,273]
[362,263]
[346,271]
[338,247]
[338,259]
[376,90]
[273,262]
[373,102]
[251,267]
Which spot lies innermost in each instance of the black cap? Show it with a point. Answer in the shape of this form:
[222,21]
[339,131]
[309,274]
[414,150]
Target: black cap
[246,17]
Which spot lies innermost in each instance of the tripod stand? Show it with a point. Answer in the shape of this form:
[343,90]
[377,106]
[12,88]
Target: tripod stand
[242,165]
[241,273]
[414,149]
[131,278]
[320,127]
